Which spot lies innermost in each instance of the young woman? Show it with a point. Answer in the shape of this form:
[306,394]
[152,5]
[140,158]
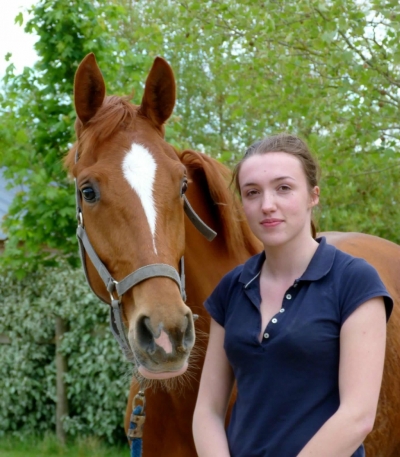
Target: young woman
[300,327]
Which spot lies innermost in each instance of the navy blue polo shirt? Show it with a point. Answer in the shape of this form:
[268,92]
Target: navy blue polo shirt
[288,383]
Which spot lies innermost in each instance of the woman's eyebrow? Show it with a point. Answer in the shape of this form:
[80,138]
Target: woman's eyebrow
[282,178]
[279,178]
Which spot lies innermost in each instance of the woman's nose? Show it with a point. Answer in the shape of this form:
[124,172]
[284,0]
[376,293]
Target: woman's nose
[268,202]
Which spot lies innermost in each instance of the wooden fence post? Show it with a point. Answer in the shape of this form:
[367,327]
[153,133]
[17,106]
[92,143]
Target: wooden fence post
[61,367]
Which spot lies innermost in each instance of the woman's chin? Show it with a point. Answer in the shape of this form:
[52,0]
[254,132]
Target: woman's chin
[161,375]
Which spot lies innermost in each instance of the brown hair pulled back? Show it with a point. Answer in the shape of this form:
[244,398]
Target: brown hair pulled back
[290,144]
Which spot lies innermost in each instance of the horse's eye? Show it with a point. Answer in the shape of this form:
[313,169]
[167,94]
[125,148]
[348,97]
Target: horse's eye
[184,186]
[89,194]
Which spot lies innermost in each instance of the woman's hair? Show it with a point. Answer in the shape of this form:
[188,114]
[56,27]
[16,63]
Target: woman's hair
[290,144]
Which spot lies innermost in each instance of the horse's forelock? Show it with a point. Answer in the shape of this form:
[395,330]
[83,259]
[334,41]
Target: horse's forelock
[114,113]
[235,230]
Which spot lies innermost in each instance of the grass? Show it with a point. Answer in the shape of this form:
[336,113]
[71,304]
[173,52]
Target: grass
[50,447]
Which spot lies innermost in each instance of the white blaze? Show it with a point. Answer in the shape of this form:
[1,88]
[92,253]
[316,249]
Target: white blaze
[139,169]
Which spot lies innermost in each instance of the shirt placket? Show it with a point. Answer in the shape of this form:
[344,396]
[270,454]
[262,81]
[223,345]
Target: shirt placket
[277,320]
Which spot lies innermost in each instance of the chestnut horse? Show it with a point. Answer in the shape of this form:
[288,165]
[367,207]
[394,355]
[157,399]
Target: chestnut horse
[130,191]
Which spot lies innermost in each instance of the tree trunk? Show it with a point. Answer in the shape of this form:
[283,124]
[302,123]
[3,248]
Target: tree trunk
[61,366]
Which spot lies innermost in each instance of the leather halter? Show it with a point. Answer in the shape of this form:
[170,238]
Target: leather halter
[118,288]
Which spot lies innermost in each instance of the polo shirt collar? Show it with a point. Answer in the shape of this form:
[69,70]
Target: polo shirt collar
[320,264]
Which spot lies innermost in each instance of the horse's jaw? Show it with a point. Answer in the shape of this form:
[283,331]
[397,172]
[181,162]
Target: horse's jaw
[163,374]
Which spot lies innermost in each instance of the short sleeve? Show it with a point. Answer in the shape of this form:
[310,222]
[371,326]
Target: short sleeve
[361,282]
[217,303]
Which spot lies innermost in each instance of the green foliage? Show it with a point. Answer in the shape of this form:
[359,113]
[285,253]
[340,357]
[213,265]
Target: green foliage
[37,119]
[325,70]
[50,447]
[97,378]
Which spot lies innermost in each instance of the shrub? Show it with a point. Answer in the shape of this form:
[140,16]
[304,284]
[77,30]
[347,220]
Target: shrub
[97,379]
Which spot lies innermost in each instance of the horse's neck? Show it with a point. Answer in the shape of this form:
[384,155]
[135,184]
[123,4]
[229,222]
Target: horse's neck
[207,262]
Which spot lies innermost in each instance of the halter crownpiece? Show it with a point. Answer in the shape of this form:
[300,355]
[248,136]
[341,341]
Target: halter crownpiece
[118,288]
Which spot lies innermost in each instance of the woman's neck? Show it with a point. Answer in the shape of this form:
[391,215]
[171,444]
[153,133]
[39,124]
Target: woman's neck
[290,261]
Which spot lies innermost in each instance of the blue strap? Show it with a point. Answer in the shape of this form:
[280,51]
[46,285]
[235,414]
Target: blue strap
[136,447]
[136,443]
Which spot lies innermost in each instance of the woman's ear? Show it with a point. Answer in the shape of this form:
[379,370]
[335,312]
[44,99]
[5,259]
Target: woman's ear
[314,197]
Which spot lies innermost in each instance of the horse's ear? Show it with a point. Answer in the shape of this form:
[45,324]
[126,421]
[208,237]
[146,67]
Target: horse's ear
[89,89]
[159,94]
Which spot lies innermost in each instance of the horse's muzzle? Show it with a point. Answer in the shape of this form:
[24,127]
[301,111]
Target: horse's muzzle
[163,349]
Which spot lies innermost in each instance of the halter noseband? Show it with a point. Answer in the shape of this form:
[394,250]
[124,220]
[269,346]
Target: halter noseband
[149,271]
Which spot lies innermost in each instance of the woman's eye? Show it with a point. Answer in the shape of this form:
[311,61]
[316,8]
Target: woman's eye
[184,186]
[89,194]
[284,188]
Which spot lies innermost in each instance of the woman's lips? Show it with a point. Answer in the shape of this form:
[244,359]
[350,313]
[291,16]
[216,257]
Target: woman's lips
[271,222]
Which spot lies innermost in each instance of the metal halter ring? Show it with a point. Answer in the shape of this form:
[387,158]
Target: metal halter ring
[79,216]
[110,291]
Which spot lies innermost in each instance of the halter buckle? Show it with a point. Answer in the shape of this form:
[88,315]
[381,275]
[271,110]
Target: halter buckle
[79,217]
[111,287]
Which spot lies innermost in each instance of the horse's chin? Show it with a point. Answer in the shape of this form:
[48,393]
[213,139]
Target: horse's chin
[163,374]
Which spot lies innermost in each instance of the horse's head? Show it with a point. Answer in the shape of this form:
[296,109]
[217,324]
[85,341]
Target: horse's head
[130,186]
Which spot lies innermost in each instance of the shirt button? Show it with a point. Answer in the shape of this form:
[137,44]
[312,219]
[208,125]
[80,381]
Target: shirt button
[274,321]
[266,335]
[282,310]
[288,296]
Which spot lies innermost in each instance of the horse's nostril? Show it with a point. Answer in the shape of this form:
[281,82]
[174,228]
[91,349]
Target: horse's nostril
[144,334]
[188,336]
[147,323]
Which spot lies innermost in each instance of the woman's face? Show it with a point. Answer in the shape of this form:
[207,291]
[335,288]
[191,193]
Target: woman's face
[276,198]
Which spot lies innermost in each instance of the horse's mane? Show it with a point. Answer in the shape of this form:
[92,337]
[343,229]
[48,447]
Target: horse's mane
[114,112]
[233,227]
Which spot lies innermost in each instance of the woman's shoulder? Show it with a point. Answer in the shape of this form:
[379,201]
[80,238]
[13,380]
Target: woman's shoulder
[356,282]
[244,272]
[329,255]
[220,299]
[349,264]
[239,276]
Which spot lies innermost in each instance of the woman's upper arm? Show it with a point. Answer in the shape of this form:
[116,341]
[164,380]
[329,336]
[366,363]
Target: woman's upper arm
[362,352]
[217,377]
